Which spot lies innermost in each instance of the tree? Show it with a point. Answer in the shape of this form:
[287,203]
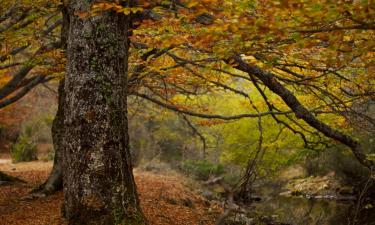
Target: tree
[29,55]
[54,181]
[99,186]
[315,57]
[29,50]
[217,46]
[308,60]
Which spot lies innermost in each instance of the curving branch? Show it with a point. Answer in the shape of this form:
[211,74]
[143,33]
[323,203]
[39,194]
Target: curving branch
[196,132]
[208,116]
[301,111]
[23,91]
[13,52]
[13,84]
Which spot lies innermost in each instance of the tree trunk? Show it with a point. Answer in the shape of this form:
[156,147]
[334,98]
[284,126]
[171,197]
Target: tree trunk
[99,186]
[55,180]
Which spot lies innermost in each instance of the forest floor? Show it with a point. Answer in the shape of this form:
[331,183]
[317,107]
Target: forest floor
[165,199]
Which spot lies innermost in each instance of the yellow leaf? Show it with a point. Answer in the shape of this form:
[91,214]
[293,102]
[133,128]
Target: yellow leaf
[192,4]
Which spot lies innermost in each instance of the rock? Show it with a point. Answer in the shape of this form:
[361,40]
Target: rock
[32,196]
[296,193]
[286,193]
[208,194]
[187,202]
[346,198]
[172,201]
[206,203]
[369,206]
[346,190]
[239,219]
[319,185]
[255,198]
[4,182]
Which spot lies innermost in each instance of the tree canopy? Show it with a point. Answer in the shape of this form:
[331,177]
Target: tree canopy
[243,75]
[307,64]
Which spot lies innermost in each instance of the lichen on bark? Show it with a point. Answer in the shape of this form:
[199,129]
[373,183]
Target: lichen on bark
[98,181]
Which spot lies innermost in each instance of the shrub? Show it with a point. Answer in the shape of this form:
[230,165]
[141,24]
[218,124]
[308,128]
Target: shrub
[341,161]
[156,166]
[202,169]
[23,150]
[48,155]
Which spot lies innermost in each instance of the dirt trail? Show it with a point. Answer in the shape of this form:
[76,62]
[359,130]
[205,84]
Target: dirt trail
[164,198]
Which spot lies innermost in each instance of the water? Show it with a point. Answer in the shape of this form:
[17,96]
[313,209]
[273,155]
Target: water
[298,210]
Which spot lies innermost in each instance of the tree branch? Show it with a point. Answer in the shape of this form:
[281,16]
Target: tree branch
[300,111]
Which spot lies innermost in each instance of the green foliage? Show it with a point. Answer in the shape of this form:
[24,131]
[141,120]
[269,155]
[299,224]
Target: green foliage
[232,143]
[170,149]
[202,169]
[237,141]
[34,131]
[24,149]
[157,166]
[48,156]
[371,157]
[163,137]
[337,159]
[38,128]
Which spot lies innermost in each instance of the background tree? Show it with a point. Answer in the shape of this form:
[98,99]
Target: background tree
[29,51]
[304,52]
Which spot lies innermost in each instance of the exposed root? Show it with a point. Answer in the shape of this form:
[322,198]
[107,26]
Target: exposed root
[5,179]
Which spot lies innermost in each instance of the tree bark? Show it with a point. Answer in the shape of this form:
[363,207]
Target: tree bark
[99,186]
[55,180]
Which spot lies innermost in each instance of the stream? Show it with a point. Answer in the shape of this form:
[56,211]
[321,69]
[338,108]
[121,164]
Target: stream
[300,210]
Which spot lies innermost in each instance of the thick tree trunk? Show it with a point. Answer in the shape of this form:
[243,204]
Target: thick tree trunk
[99,187]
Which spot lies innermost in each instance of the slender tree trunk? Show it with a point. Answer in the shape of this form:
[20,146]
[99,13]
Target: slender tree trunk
[55,180]
[99,187]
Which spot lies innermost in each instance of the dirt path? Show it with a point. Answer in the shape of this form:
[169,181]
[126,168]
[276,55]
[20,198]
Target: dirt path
[164,198]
